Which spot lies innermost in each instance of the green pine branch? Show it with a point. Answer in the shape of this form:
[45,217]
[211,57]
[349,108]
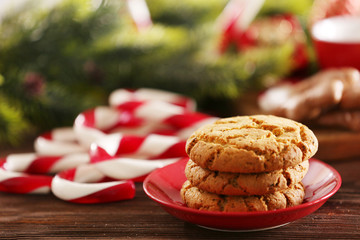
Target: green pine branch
[78,55]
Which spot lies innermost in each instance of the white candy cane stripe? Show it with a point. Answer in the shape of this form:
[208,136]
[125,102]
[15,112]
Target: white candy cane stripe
[64,187]
[87,135]
[157,111]
[88,128]
[19,162]
[70,161]
[97,122]
[106,117]
[121,96]
[100,117]
[68,190]
[130,168]
[131,117]
[62,134]
[156,145]
[85,128]
[87,174]
[150,147]
[15,182]
[134,113]
[165,114]
[59,141]
[33,163]
[109,143]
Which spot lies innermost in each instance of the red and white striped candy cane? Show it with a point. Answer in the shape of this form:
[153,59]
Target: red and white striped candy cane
[152,146]
[57,142]
[124,148]
[15,182]
[62,152]
[104,181]
[131,168]
[131,117]
[121,96]
[165,114]
[39,164]
[88,124]
[138,117]
[85,184]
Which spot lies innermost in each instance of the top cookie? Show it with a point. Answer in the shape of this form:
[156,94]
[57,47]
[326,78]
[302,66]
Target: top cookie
[251,144]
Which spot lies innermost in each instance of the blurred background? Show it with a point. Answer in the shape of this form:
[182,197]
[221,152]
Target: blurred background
[60,57]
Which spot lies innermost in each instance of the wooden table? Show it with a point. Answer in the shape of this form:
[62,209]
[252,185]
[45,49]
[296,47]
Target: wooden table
[46,217]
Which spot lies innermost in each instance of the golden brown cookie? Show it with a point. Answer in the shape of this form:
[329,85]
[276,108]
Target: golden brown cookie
[193,197]
[244,184]
[251,144]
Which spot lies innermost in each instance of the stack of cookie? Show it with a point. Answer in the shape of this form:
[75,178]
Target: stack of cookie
[249,163]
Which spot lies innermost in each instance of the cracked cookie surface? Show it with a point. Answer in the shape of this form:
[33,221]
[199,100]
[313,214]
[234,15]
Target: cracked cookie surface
[195,198]
[251,144]
[244,184]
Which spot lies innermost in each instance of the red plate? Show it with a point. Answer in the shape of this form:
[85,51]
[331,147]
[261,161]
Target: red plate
[163,186]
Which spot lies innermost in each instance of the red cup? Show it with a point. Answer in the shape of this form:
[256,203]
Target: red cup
[337,41]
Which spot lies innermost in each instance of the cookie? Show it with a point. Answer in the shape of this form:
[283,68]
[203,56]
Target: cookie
[244,184]
[196,198]
[311,97]
[251,144]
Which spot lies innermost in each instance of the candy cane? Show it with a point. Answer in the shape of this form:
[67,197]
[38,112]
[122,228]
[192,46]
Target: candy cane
[130,168]
[34,163]
[118,168]
[164,114]
[74,185]
[137,117]
[14,182]
[57,142]
[150,147]
[121,96]
[107,149]
[85,184]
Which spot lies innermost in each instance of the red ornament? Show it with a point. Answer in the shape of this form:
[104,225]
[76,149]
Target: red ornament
[268,31]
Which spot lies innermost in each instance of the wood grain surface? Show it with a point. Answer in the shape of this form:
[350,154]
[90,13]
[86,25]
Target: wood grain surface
[46,217]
